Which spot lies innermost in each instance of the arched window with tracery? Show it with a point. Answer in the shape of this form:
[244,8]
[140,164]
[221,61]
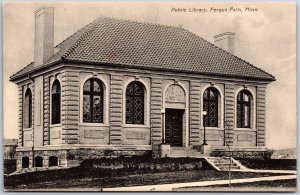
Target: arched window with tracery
[55,96]
[27,113]
[243,109]
[210,105]
[93,91]
[135,103]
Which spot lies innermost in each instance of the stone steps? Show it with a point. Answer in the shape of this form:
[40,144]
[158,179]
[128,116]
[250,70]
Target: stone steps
[224,163]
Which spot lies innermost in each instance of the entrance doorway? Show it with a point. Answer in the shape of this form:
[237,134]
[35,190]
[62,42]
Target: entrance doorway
[173,127]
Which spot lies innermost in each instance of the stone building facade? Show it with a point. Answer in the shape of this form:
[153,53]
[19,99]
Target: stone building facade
[121,88]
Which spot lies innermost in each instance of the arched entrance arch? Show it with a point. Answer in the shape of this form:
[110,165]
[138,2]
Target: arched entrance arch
[175,115]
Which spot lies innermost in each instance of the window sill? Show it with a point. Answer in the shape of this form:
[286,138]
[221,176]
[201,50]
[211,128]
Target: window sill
[55,138]
[244,129]
[94,124]
[212,128]
[135,126]
[27,129]
[55,125]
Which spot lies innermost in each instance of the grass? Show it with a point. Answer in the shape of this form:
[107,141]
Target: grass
[81,178]
[275,164]
[121,172]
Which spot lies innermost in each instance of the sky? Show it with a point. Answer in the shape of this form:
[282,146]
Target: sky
[265,37]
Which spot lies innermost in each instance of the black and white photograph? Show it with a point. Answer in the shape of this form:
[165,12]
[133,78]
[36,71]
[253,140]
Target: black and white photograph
[149,97]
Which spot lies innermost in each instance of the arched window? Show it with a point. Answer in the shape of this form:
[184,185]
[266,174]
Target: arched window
[210,105]
[55,102]
[93,101]
[25,162]
[243,109]
[38,161]
[27,114]
[135,103]
[53,161]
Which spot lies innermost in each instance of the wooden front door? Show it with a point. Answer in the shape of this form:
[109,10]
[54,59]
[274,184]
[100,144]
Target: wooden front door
[173,127]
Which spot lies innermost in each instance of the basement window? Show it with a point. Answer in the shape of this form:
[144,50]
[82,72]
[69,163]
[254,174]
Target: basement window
[38,161]
[25,162]
[53,161]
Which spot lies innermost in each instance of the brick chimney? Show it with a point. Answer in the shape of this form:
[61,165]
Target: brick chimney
[225,41]
[44,35]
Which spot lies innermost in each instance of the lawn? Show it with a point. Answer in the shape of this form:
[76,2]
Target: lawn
[81,178]
[121,172]
[276,164]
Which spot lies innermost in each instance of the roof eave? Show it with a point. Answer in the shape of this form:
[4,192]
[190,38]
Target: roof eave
[170,70]
[39,68]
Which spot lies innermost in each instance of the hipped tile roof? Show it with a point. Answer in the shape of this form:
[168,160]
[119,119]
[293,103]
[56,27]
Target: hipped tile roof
[111,41]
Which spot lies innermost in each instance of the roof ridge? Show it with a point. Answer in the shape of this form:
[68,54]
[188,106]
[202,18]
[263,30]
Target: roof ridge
[141,22]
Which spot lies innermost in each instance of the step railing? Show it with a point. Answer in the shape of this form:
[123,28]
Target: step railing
[239,164]
[211,163]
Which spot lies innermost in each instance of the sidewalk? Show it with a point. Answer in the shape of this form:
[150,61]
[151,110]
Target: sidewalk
[267,171]
[170,187]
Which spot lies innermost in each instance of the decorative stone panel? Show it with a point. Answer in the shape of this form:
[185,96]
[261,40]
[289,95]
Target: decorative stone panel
[194,113]
[115,114]
[229,114]
[70,107]
[175,93]
[260,115]
[46,110]
[155,114]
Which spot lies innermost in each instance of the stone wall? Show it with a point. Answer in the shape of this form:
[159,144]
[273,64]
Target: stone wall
[20,132]
[155,114]
[195,112]
[46,113]
[229,114]
[38,112]
[114,131]
[70,107]
[45,154]
[261,115]
[115,114]
[73,157]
